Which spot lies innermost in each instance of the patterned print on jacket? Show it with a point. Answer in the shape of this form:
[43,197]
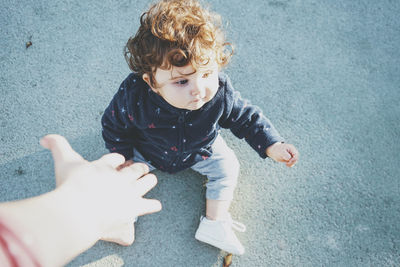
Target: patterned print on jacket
[173,139]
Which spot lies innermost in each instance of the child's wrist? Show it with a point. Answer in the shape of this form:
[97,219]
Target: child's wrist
[269,148]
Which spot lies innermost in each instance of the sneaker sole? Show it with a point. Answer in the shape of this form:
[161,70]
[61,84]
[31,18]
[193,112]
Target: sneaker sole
[216,243]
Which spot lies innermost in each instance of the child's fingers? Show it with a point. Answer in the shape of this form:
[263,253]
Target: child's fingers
[60,149]
[286,156]
[291,162]
[295,156]
[293,151]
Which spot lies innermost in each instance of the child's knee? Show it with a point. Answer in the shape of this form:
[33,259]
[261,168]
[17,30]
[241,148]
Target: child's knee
[222,188]
[233,168]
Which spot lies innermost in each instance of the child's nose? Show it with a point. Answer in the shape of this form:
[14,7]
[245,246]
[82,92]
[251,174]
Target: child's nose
[198,90]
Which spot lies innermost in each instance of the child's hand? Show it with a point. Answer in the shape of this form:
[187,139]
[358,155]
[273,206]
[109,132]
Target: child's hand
[282,152]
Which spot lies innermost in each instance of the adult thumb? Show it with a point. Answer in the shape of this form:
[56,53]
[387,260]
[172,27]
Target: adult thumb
[60,149]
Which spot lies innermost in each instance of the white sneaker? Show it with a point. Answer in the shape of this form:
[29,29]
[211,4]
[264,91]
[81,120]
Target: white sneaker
[220,234]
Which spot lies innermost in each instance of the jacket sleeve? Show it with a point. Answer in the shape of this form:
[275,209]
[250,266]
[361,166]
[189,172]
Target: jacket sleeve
[118,123]
[247,121]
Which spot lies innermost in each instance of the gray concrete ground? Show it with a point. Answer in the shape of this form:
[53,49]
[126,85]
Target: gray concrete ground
[325,72]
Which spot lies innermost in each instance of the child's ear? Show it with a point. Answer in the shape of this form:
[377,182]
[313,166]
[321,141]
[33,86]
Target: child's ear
[146,78]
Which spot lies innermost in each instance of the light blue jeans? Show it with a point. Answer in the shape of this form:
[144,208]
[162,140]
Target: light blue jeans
[221,169]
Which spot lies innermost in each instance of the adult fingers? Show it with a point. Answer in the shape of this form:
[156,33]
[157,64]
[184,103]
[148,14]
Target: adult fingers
[125,164]
[135,170]
[123,235]
[148,206]
[144,184]
[60,149]
[113,159]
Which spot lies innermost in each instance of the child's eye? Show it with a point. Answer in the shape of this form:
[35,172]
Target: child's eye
[182,82]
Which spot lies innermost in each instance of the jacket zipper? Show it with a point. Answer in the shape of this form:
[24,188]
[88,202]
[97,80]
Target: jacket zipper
[181,121]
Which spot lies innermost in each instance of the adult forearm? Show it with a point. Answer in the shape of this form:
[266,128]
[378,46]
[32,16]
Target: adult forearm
[55,219]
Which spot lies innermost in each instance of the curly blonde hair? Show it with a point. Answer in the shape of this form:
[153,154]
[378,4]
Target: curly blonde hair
[176,33]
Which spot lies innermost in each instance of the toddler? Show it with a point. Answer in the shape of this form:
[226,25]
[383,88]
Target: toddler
[169,111]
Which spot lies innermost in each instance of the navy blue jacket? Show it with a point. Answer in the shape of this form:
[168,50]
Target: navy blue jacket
[173,139]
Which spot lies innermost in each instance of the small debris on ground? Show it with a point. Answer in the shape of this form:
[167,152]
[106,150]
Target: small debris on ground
[29,43]
[227,260]
[19,171]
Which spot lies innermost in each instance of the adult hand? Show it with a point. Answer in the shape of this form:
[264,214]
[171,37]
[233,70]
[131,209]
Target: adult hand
[112,198]
[127,163]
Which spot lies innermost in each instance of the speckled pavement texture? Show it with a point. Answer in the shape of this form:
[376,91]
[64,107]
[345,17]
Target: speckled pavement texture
[325,72]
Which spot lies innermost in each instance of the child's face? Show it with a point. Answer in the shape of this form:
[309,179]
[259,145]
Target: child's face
[185,87]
